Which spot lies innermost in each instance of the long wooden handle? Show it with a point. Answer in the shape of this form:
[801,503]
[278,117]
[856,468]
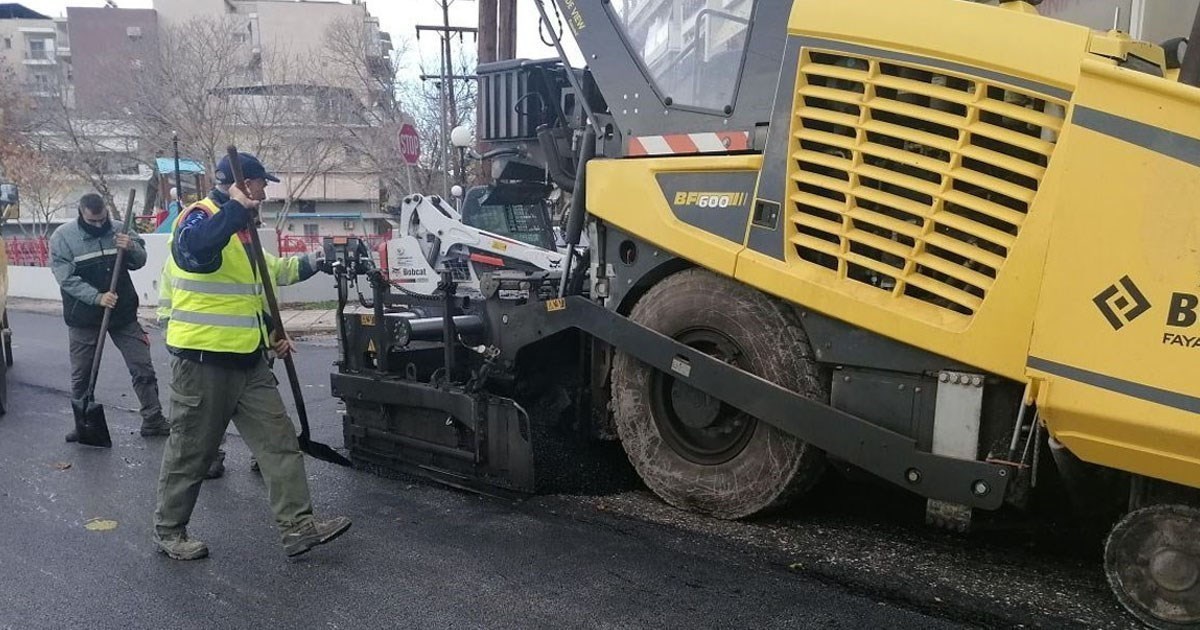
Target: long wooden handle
[118,265]
[260,261]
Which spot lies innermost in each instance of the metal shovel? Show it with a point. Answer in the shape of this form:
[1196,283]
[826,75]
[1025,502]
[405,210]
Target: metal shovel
[320,451]
[90,424]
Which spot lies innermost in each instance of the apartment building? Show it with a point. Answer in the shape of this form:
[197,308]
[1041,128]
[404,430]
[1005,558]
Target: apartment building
[31,44]
[282,38]
[93,58]
[107,50]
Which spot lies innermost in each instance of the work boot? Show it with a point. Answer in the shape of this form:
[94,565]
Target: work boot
[180,547]
[73,436]
[314,533]
[155,428]
[217,467]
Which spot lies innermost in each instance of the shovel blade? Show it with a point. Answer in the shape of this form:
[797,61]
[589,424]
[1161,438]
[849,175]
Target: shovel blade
[324,452]
[90,423]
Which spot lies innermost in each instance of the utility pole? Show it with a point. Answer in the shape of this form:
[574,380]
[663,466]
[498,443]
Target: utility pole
[497,42]
[446,80]
[487,31]
[506,26]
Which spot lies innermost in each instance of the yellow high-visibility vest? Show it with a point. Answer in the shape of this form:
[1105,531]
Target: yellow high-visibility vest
[218,311]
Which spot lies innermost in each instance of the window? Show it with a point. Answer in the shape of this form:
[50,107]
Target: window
[312,229]
[8,43]
[307,206]
[40,49]
[134,32]
[692,50]
[524,222]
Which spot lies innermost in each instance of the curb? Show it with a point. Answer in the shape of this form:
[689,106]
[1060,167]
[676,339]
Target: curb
[149,319]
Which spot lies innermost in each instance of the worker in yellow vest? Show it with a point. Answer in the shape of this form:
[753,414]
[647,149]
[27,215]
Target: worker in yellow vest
[285,271]
[218,338]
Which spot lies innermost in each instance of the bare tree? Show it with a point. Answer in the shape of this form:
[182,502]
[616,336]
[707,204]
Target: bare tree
[185,88]
[44,190]
[12,114]
[39,174]
[426,102]
[90,150]
[291,124]
[371,125]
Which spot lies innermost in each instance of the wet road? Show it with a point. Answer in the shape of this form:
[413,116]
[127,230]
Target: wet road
[75,545]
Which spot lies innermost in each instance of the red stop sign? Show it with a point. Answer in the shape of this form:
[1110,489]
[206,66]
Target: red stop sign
[410,144]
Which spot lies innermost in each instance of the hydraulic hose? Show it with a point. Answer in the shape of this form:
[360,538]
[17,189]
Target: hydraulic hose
[578,212]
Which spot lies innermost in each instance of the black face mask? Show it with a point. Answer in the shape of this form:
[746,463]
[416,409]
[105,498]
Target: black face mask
[93,230]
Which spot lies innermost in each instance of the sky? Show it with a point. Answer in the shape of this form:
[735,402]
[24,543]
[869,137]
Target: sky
[398,17]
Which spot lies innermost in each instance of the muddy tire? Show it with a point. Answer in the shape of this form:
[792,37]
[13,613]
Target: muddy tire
[1152,560]
[693,451]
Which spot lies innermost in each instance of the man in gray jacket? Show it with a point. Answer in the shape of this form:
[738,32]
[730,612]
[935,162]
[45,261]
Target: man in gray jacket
[83,254]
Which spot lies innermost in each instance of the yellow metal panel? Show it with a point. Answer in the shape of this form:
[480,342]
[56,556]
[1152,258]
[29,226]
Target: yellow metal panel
[896,131]
[1020,167]
[626,194]
[907,229]
[1028,46]
[994,331]
[984,206]
[1021,140]
[965,250]
[1125,395]
[913,111]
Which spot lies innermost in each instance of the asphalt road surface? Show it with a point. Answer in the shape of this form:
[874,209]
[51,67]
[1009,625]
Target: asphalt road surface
[75,548]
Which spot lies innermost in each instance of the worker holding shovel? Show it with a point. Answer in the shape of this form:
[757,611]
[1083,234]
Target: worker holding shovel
[83,258]
[218,338]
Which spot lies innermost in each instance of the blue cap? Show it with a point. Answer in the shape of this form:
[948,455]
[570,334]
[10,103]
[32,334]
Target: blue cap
[251,169]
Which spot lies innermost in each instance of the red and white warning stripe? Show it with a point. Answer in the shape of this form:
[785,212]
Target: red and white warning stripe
[685,143]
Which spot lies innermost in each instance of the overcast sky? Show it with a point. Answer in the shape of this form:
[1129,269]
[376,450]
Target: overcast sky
[398,17]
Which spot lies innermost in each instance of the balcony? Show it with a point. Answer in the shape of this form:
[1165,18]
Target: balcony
[41,57]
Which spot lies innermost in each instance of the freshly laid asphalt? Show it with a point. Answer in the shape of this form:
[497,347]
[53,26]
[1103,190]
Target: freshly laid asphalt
[75,548]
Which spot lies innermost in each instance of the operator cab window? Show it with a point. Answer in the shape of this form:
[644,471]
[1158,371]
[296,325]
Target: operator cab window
[692,50]
[525,222]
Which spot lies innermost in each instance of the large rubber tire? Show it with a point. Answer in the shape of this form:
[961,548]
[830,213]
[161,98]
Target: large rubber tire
[771,467]
[1152,560]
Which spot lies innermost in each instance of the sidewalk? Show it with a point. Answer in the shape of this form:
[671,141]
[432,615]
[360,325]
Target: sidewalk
[299,323]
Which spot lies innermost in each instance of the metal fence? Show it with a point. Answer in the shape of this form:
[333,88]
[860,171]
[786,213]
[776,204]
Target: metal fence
[28,251]
[35,251]
[291,245]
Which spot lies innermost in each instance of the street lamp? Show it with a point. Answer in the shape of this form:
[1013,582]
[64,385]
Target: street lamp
[462,138]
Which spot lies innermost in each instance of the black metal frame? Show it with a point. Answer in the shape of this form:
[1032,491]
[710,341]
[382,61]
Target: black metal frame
[887,454]
[501,449]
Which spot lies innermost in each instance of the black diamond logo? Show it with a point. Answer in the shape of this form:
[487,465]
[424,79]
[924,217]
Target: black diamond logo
[1121,303]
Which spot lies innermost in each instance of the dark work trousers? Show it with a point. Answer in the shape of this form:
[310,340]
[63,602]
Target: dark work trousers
[133,343]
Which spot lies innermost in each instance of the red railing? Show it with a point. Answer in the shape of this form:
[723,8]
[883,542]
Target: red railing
[291,245]
[35,251]
[28,252]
